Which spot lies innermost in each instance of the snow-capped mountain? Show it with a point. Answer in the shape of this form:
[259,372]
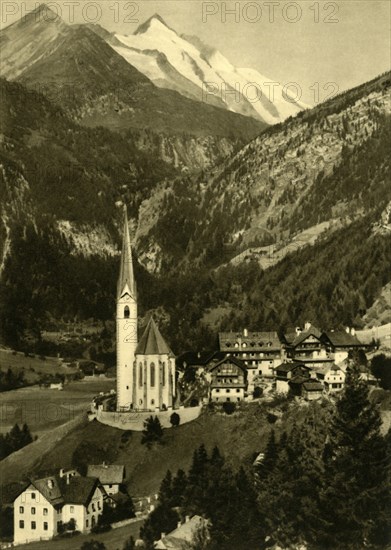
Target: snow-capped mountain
[185,64]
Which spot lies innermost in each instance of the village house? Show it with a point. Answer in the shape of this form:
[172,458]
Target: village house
[228,380]
[111,476]
[260,351]
[312,390]
[182,536]
[305,345]
[46,505]
[340,342]
[286,372]
[332,377]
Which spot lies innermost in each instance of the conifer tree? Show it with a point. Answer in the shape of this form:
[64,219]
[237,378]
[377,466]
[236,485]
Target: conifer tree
[355,499]
[179,484]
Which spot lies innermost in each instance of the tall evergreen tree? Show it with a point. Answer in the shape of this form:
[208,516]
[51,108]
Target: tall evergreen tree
[356,495]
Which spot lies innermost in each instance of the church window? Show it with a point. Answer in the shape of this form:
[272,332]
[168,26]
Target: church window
[152,374]
[126,312]
[127,387]
[164,373]
[152,401]
[140,374]
[140,402]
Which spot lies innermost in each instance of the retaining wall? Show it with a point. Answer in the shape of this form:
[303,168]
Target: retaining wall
[134,420]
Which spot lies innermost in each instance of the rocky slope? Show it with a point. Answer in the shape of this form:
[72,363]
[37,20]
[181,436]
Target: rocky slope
[313,173]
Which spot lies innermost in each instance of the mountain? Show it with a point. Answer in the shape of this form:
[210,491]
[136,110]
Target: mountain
[185,64]
[80,72]
[299,180]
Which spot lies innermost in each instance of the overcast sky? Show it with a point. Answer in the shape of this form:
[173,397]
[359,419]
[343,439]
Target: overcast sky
[345,42]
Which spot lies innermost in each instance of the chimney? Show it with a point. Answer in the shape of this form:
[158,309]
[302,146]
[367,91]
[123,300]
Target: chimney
[307,326]
[179,524]
[162,535]
[50,483]
[347,330]
[245,333]
[68,476]
[353,331]
[62,472]
[298,330]
[187,518]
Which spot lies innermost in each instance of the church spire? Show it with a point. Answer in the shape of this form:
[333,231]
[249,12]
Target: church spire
[126,276]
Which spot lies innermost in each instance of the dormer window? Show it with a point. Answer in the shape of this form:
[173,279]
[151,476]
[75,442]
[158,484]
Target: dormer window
[126,312]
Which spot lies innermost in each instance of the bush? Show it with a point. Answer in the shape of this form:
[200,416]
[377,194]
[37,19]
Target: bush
[175,419]
[229,407]
[257,392]
[92,545]
[271,418]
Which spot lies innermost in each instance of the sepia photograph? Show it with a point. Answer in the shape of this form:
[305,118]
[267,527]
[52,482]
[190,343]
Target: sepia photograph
[195,275]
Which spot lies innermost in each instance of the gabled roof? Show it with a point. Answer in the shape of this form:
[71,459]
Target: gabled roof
[295,338]
[152,342]
[50,488]
[313,386]
[299,379]
[126,280]
[79,490]
[342,338]
[194,358]
[229,359]
[287,367]
[182,535]
[108,474]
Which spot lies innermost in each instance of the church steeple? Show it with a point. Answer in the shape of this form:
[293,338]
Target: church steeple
[126,275]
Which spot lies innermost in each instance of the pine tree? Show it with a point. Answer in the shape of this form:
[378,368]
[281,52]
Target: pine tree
[270,458]
[355,498]
[179,484]
[165,491]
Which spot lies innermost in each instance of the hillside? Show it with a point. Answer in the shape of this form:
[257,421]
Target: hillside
[330,164]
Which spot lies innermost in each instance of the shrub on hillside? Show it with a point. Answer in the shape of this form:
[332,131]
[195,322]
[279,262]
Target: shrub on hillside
[257,392]
[175,419]
[229,407]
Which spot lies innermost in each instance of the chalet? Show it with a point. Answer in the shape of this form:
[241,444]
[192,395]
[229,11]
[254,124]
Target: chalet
[260,351]
[111,476]
[333,378]
[228,380]
[340,342]
[45,505]
[182,536]
[286,372]
[305,345]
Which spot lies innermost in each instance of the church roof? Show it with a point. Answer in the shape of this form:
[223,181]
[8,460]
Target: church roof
[126,275]
[152,342]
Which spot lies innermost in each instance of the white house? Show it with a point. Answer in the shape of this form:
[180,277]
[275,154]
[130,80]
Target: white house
[42,508]
[182,536]
[332,377]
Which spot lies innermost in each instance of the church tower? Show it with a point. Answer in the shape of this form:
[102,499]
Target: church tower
[126,324]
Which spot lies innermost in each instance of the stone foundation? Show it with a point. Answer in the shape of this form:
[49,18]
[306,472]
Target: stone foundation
[134,420]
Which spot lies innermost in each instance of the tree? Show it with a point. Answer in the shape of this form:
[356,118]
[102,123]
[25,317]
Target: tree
[152,432]
[356,493]
[270,457]
[130,544]
[175,419]
[381,369]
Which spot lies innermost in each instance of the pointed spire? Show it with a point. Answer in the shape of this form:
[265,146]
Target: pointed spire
[126,276]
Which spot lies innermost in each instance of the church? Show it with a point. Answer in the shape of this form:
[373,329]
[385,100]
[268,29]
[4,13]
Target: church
[145,367]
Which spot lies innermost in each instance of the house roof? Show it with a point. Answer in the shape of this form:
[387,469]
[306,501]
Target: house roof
[295,338]
[152,342]
[313,386]
[229,359]
[50,488]
[183,534]
[287,367]
[298,380]
[253,341]
[342,338]
[79,490]
[108,474]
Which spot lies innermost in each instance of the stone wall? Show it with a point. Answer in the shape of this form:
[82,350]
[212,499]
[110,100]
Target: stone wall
[134,420]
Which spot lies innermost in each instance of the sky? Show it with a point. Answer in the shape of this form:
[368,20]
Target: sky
[323,46]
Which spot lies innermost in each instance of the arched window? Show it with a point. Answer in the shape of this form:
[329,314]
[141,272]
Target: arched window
[126,312]
[152,374]
[140,374]
[164,373]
